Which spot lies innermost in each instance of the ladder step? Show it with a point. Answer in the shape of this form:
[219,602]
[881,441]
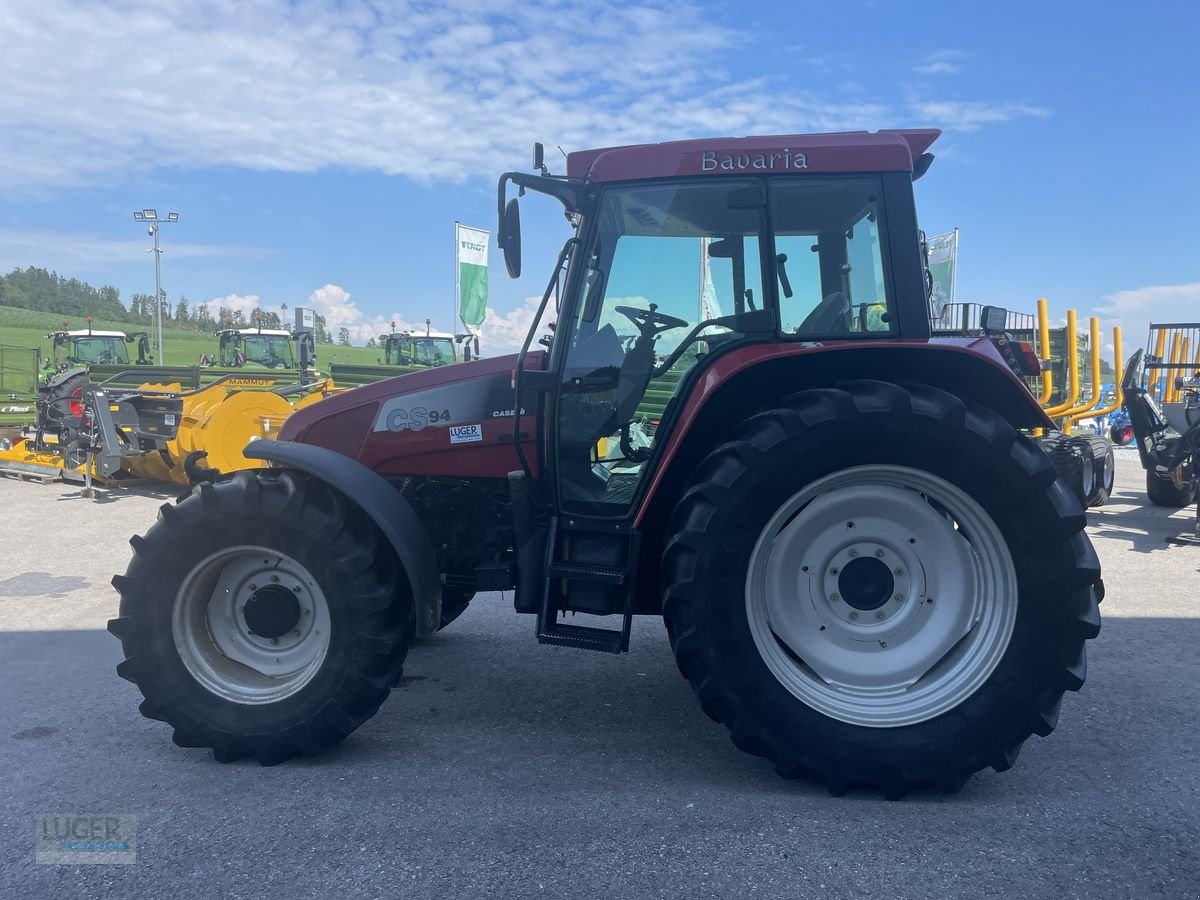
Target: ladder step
[583,638]
[586,572]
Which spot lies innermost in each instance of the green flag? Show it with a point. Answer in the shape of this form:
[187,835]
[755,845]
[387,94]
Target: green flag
[943,257]
[472,253]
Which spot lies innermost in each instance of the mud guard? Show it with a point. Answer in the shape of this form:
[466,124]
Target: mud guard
[385,506]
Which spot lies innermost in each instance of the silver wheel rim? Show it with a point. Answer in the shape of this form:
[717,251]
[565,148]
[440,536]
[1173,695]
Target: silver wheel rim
[221,603]
[1109,464]
[944,623]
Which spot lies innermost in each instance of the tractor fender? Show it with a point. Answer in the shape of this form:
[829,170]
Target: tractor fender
[383,504]
[743,380]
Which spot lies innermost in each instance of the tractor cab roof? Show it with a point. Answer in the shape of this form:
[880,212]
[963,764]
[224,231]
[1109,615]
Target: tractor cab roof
[84,333]
[851,151]
[420,334]
[276,332]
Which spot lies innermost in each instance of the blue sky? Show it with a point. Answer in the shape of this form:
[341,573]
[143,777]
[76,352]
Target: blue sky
[320,152]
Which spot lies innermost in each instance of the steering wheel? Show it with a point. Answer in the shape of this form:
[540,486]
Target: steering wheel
[650,322]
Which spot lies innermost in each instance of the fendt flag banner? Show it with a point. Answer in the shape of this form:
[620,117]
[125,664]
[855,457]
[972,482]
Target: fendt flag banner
[943,257]
[472,251]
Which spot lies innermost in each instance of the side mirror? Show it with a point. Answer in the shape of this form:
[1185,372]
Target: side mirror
[510,235]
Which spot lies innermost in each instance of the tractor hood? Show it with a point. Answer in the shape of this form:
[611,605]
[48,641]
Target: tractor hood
[454,420]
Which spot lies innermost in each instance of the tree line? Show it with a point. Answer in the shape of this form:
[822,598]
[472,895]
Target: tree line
[46,291]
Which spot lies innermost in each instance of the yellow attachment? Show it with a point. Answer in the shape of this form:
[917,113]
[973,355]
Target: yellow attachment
[1119,373]
[1077,412]
[1183,358]
[1159,347]
[31,463]
[1044,352]
[1169,387]
[602,448]
[222,422]
[1072,343]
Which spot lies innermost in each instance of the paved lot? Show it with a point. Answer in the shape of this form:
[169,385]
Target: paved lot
[505,768]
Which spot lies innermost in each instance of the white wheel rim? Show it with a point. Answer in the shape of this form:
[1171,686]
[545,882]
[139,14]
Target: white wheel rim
[222,602]
[943,624]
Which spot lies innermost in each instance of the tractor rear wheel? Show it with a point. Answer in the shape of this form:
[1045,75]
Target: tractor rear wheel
[878,586]
[1163,492]
[262,616]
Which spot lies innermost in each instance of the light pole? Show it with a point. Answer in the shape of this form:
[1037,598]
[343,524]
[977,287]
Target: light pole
[151,216]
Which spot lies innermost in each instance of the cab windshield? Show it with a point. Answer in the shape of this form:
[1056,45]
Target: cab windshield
[675,272]
[271,350]
[421,351]
[93,349]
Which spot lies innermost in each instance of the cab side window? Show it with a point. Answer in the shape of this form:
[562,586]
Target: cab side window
[829,251]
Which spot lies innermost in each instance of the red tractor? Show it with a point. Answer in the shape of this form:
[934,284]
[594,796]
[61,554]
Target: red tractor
[867,571]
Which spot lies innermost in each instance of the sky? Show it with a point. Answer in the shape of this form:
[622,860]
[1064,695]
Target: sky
[319,153]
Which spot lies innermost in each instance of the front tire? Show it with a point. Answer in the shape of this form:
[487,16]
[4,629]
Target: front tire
[1163,492]
[862,688]
[1105,468]
[262,616]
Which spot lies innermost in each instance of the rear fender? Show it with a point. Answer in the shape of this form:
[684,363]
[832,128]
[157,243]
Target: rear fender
[383,504]
[743,381]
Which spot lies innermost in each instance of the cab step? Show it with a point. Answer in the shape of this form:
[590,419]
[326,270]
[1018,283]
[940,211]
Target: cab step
[590,568]
[583,637]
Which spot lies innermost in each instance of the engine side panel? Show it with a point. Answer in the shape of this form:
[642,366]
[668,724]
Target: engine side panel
[451,421]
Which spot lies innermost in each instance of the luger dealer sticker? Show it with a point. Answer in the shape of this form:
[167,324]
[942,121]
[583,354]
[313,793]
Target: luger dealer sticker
[465,434]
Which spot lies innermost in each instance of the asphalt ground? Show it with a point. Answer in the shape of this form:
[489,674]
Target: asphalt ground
[504,768]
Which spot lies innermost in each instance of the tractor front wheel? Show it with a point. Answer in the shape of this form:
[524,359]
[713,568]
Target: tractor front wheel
[1163,492]
[882,587]
[262,616]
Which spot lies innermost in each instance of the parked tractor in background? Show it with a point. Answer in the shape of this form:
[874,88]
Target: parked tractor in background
[868,573]
[1162,399]
[165,423]
[83,348]
[409,351]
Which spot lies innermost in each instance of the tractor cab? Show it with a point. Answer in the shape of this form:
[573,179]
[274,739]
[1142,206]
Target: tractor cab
[686,252]
[429,348]
[88,346]
[256,348]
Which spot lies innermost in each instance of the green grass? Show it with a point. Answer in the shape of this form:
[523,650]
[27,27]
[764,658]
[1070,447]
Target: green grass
[28,328]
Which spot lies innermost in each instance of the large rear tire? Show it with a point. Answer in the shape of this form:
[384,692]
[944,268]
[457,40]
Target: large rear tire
[873,586]
[1163,492]
[262,616]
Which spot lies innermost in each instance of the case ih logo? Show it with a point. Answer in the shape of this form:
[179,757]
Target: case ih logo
[714,160]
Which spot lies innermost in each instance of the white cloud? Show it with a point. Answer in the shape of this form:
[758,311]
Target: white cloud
[333,302]
[1135,309]
[66,251]
[505,333]
[95,89]
[938,68]
[244,303]
[971,115]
